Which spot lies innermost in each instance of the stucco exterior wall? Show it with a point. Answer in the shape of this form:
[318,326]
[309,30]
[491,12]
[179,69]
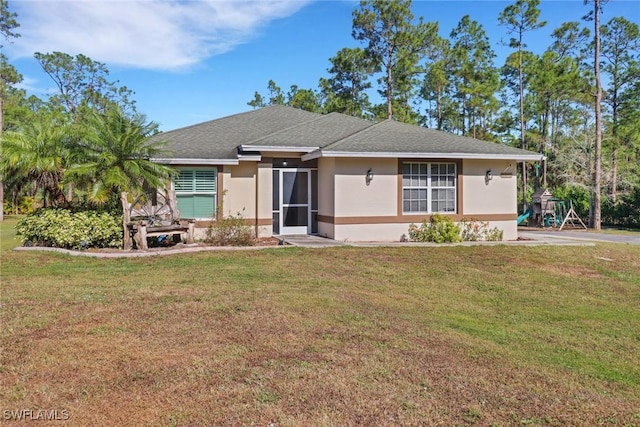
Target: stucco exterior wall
[326,186]
[326,194]
[393,232]
[353,197]
[355,211]
[248,190]
[239,186]
[265,202]
[497,196]
[370,232]
[509,229]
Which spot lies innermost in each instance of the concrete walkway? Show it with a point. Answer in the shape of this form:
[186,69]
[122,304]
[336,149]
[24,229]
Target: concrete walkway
[528,239]
[310,241]
[631,238]
[532,237]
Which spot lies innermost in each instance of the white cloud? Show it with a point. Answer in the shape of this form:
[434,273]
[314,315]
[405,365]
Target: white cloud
[160,35]
[29,84]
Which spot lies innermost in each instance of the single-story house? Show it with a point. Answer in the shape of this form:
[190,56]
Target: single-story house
[288,171]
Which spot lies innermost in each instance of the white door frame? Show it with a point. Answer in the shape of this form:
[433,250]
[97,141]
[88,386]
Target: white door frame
[294,229]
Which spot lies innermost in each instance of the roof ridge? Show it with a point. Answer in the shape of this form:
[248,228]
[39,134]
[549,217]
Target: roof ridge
[466,137]
[315,119]
[469,139]
[210,121]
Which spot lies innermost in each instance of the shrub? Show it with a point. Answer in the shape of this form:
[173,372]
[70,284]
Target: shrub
[440,229]
[230,230]
[23,206]
[72,230]
[473,230]
[625,213]
[579,197]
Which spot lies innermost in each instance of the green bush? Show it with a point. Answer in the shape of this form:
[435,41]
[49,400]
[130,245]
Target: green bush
[473,230]
[62,228]
[441,229]
[24,205]
[579,197]
[625,213]
[230,230]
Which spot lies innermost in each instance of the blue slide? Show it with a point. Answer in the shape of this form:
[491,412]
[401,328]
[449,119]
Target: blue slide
[522,218]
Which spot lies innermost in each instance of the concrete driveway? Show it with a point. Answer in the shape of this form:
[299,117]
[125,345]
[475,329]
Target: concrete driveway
[631,237]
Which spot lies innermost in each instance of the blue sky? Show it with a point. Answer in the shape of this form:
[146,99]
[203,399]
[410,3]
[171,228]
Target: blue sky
[192,61]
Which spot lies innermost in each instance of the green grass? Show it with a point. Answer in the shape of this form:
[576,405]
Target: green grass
[8,239]
[624,231]
[483,335]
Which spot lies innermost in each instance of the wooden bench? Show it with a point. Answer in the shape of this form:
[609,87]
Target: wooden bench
[140,230]
[153,214]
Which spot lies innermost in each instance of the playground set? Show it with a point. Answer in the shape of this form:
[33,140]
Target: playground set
[548,211]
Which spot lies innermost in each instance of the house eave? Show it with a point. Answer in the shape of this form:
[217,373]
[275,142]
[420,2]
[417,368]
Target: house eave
[191,161]
[398,155]
[278,149]
[249,158]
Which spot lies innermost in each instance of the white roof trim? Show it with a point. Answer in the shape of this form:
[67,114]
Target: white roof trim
[281,149]
[249,157]
[196,161]
[521,157]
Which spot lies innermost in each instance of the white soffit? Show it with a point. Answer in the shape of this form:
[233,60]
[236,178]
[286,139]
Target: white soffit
[190,161]
[525,157]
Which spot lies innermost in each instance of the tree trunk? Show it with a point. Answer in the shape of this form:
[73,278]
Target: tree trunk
[614,151]
[440,120]
[389,84]
[614,174]
[126,237]
[595,222]
[51,185]
[70,192]
[1,182]
[522,127]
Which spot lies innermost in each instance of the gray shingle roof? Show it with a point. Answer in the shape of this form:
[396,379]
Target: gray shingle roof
[218,139]
[323,131]
[395,138]
[331,135]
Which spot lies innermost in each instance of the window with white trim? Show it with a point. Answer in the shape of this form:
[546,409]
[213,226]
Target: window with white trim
[428,187]
[196,192]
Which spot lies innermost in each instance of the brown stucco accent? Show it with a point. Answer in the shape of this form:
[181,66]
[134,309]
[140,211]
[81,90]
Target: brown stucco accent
[409,218]
[247,221]
[459,174]
[259,222]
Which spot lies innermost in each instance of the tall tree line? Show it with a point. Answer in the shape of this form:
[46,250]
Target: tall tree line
[86,140]
[9,76]
[577,102]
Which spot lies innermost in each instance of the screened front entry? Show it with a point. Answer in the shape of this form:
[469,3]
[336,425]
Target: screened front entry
[295,201]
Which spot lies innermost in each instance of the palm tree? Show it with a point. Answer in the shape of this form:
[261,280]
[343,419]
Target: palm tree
[39,152]
[117,156]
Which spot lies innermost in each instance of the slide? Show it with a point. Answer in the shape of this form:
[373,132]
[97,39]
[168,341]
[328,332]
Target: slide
[522,218]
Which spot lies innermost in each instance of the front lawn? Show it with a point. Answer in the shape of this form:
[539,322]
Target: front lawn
[339,336]
[8,239]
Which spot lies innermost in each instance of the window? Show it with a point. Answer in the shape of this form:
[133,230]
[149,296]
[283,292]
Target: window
[196,192]
[428,187]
